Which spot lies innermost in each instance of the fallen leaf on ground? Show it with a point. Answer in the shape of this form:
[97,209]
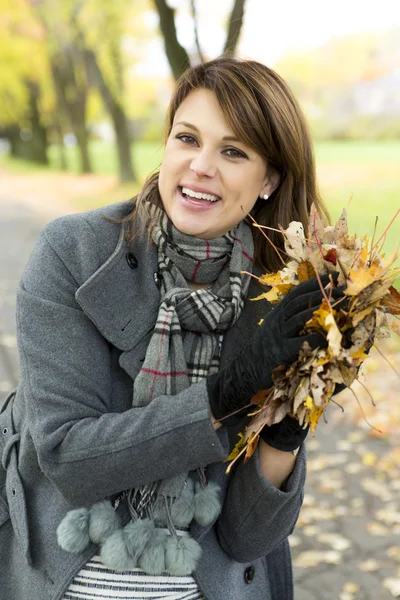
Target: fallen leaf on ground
[393,585]
[369,566]
[313,558]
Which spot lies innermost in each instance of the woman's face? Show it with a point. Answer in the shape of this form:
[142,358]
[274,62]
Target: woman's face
[207,174]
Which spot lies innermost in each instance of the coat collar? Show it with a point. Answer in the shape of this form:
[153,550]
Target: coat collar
[123,302]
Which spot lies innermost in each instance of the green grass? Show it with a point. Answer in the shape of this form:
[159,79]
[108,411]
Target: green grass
[146,157]
[358,152]
[366,171]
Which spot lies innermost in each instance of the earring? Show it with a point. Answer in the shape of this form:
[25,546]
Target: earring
[265,197]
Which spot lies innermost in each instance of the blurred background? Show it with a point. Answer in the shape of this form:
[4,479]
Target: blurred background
[84,86]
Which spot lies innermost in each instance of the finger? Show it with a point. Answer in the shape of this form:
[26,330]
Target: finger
[311,300]
[315,340]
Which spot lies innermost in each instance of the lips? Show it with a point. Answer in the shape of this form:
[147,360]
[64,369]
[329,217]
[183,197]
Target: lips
[195,204]
[199,190]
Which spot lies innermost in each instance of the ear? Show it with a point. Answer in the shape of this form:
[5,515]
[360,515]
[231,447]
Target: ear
[271,182]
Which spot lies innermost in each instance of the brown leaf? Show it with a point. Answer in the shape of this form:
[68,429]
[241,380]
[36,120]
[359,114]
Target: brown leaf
[305,271]
[391,301]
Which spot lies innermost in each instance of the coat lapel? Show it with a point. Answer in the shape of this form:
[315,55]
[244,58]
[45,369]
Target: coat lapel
[123,303]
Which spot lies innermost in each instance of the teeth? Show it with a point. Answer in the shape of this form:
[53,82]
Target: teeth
[199,195]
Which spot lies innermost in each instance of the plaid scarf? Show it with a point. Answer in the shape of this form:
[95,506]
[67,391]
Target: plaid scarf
[184,347]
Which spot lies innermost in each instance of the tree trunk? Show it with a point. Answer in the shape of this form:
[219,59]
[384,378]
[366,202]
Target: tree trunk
[60,144]
[71,97]
[82,139]
[196,31]
[117,113]
[177,56]
[38,145]
[30,143]
[234,27]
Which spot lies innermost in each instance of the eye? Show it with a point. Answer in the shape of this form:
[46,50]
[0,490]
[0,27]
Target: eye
[234,153]
[186,139]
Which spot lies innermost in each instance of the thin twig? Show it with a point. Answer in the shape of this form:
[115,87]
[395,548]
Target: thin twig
[387,360]
[366,389]
[266,237]
[280,231]
[349,202]
[314,264]
[337,404]
[251,275]
[372,241]
[362,411]
[387,228]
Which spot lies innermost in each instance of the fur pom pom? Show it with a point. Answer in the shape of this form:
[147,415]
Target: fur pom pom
[103,521]
[182,510]
[114,553]
[73,531]
[181,555]
[152,559]
[136,536]
[207,505]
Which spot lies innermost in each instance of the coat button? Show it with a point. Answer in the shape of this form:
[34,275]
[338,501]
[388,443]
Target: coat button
[131,260]
[249,574]
[5,431]
[157,280]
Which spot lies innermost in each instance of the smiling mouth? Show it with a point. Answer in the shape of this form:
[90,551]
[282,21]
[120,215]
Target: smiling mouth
[193,196]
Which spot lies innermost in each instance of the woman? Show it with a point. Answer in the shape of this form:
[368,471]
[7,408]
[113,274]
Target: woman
[140,352]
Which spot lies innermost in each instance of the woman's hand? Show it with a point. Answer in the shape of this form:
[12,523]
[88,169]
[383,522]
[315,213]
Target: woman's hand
[276,342]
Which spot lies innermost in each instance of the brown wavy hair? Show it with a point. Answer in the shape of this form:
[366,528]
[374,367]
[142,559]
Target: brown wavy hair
[262,112]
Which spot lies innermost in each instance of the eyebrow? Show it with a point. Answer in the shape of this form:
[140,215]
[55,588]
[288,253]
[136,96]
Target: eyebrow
[226,138]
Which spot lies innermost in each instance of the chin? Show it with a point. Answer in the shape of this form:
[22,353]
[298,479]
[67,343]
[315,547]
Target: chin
[189,226]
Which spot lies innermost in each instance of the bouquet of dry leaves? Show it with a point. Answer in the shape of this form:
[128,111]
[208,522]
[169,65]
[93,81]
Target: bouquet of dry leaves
[368,312]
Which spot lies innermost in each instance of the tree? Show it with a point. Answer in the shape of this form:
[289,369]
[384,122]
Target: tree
[177,55]
[24,84]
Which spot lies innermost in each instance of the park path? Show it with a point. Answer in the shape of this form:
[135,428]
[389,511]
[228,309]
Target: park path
[346,545]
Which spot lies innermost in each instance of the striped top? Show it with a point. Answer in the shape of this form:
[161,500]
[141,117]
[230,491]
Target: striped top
[96,582]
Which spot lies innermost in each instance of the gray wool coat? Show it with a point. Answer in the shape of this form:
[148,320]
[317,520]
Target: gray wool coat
[86,307]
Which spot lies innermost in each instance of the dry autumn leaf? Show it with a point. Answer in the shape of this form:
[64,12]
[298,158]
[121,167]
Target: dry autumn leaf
[371,310]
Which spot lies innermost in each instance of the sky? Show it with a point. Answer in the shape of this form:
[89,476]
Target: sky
[273,28]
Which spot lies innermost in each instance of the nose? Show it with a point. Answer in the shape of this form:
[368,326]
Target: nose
[203,165]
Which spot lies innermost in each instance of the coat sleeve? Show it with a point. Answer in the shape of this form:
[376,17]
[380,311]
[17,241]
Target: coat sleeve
[257,517]
[87,449]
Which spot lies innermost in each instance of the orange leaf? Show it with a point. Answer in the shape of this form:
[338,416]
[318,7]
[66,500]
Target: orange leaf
[305,271]
[259,397]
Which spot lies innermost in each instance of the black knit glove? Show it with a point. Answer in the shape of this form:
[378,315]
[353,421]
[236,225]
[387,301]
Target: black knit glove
[276,342]
[286,435]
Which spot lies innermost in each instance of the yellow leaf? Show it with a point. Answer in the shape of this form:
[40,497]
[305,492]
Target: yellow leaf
[237,449]
[271,279]
[369,459]
[267,296]
[358,281]
[319,317]
[360,354]
[284,288]
[314,417]
[309,402]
